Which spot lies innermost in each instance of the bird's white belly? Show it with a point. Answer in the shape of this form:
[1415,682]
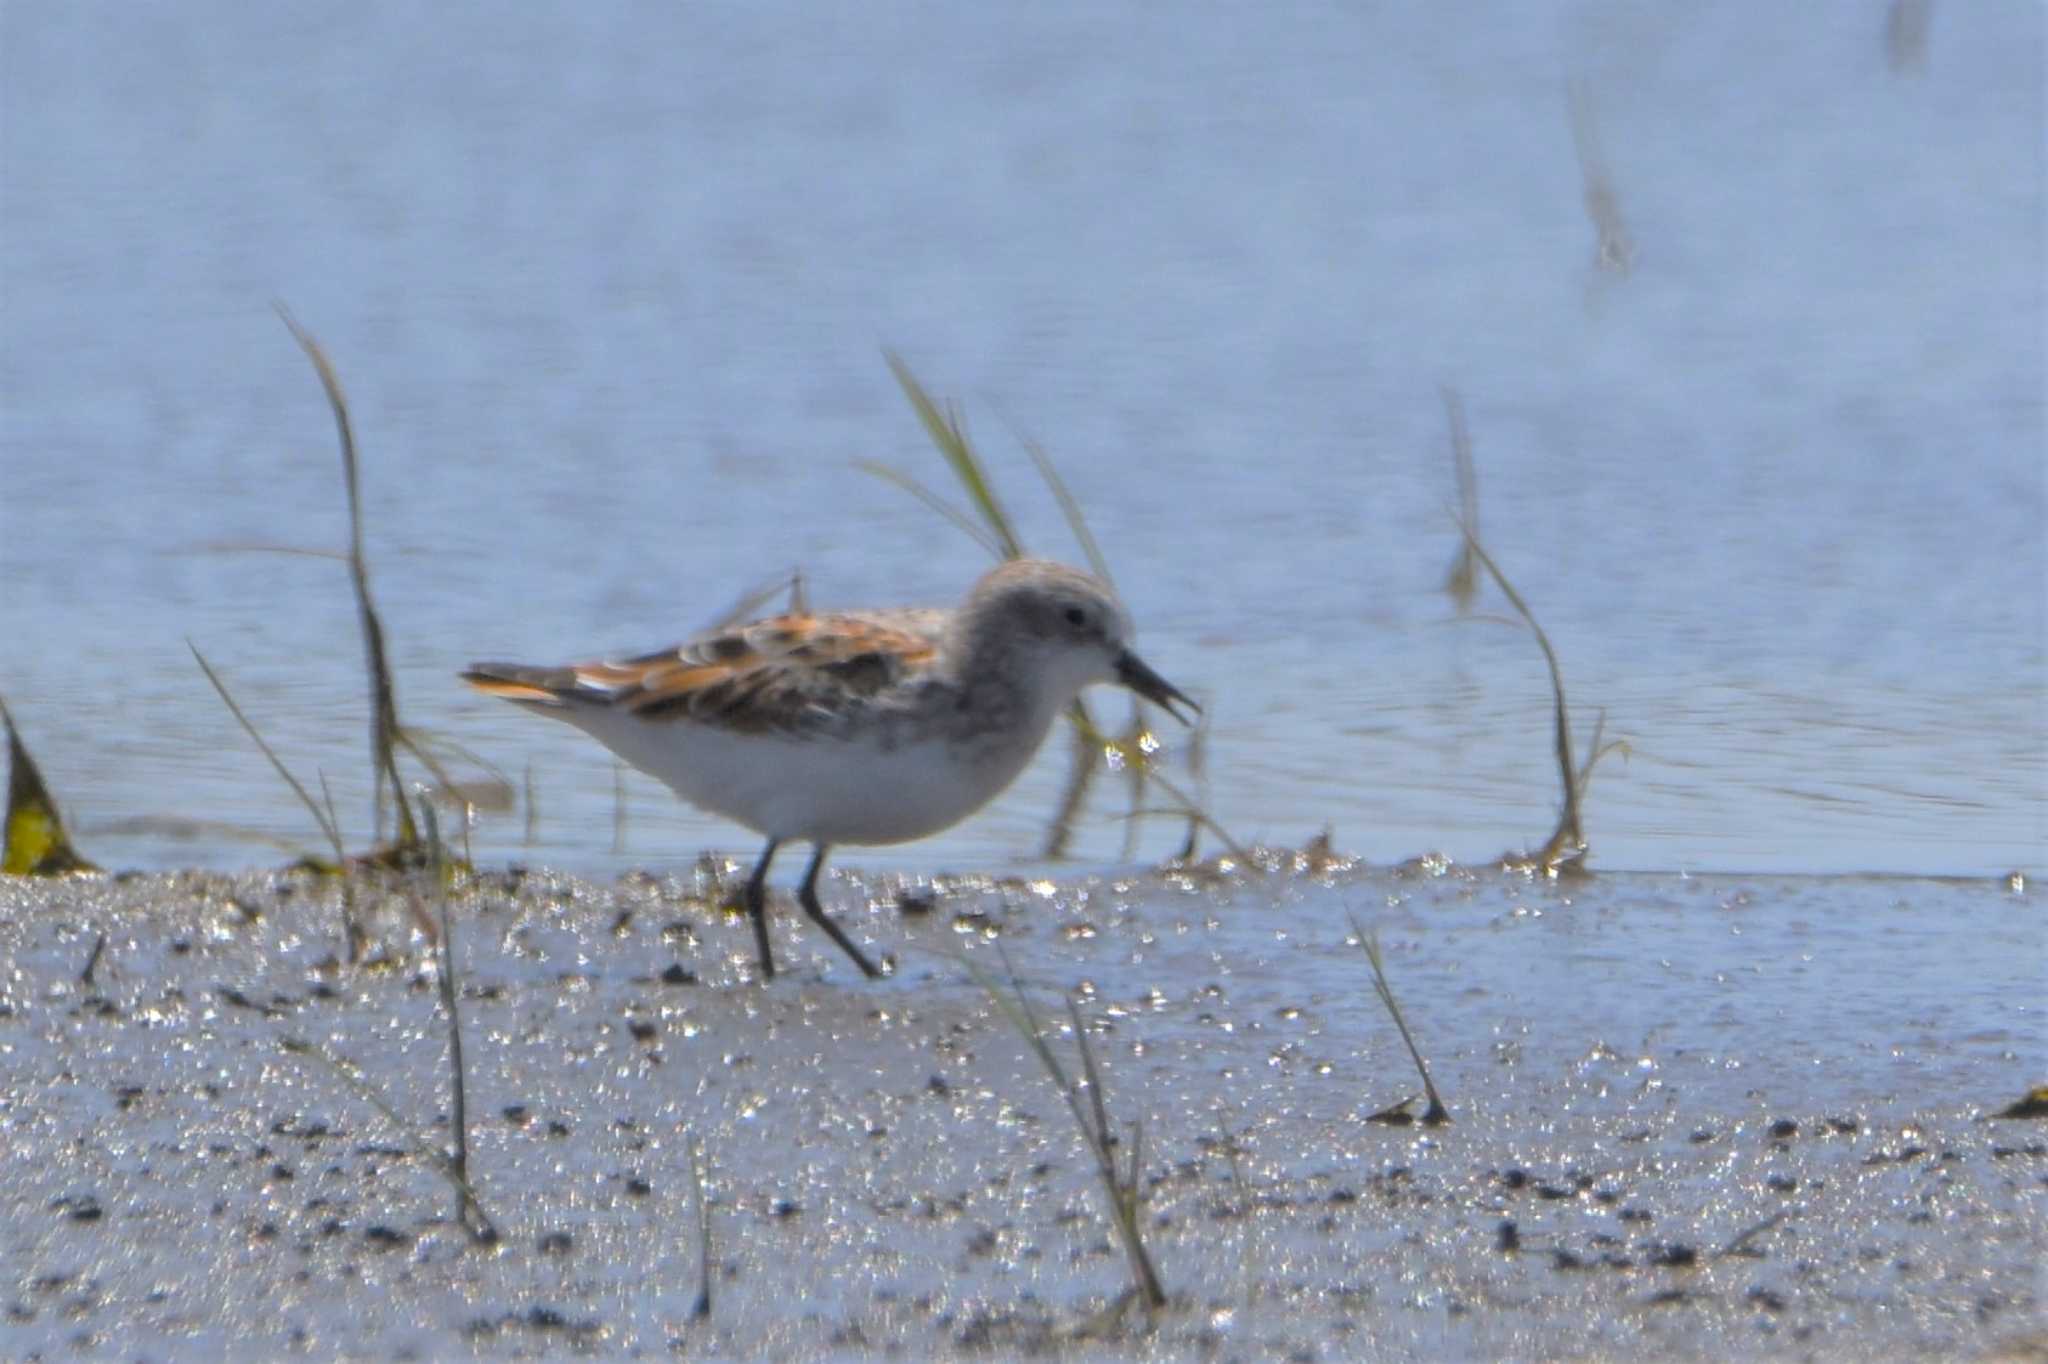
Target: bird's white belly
[825,790]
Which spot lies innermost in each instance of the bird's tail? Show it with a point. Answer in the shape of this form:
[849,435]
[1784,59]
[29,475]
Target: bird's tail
[541,688]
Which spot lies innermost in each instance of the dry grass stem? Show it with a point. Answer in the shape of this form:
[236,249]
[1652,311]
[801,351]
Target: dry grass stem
[1122,1188]
[1081,773]
[384,727]
[1566,849]
[255,547]
[351,926]
[1198,770]
[1616,250]
[324,816]
[1567,844]
[1596,750]
[488,789]
[1436,1115]
[1739,1244]
[92,962]
[1070,507]
[1137,737]
[1462,582]
[1138,749]
[320,816]
[417,1142]
[467,1210]
[751,602]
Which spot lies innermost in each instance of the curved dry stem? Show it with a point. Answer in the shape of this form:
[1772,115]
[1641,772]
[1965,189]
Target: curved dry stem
[384,725]
[328,828]
[1568,842]
[1437,1115]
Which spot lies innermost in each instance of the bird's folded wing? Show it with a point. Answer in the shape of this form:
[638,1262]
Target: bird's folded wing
[785,673]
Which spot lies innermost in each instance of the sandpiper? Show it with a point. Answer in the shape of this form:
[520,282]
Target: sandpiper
[852,727]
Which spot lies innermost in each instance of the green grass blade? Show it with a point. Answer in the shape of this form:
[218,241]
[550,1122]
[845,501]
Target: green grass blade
[946,432]
[1070,507]
[960,519]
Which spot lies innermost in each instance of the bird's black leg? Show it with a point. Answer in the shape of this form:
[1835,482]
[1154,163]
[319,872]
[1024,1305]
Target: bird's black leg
[757,907]
[807,896]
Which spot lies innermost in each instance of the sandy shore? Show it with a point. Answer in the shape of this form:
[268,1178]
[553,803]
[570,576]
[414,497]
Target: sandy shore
[1694,1117]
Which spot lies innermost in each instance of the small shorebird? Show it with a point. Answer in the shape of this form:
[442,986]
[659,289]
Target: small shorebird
[851,727]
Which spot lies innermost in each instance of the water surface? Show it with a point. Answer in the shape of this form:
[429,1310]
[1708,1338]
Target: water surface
[609,291]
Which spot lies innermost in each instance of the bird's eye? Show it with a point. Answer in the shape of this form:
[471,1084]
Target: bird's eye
[1076,617]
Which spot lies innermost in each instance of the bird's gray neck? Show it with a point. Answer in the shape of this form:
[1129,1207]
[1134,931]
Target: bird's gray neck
[995,697]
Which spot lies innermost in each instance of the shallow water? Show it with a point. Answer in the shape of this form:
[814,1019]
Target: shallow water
[608,292]
[1692,1117]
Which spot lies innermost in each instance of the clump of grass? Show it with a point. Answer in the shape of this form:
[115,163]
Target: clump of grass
[1565,851]
[1122,1187]
[387,733]
[1616,249]
[1133,751]
[406,851]
[1436,1115]
[35,843]
[453,1161]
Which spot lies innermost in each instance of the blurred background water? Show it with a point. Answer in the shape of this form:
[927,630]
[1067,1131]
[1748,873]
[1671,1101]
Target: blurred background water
[609,288]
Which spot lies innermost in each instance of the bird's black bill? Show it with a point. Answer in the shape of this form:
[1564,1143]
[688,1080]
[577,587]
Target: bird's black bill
[1132,672]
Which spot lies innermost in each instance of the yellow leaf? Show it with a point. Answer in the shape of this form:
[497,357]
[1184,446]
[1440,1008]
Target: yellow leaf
[36,845]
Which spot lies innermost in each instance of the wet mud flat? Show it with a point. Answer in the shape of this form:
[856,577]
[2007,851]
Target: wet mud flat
[1692,1117]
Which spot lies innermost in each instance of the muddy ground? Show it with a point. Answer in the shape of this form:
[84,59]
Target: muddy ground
[1692,1117]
